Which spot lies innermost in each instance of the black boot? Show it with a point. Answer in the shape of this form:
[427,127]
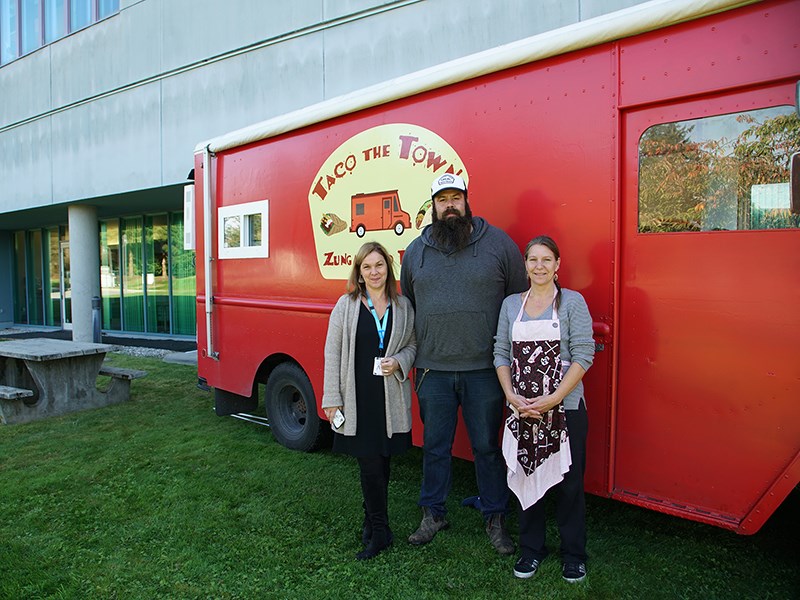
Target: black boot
[374,489]
[366,528]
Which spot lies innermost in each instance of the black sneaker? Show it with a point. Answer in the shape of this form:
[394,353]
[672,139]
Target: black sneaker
[526,567]
[573,572]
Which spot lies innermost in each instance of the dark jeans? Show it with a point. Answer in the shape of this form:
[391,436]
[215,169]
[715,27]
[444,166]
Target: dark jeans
[570,502]
[480,397]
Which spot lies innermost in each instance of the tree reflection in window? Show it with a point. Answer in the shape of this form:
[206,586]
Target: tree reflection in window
[725,172]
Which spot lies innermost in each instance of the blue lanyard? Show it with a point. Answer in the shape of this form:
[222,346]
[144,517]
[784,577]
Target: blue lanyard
[381,325]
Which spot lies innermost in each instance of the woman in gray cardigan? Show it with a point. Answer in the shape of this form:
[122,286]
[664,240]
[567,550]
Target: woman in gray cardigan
[369,352]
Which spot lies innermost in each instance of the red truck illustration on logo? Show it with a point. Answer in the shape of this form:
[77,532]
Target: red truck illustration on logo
[377,211]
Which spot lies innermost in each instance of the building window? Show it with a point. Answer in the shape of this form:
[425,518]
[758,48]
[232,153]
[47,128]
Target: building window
[26,25]
[110,274]
[31,12]
[55,20]
[9,30]
[157,280]
[182,280]
[147,278]
[720,173]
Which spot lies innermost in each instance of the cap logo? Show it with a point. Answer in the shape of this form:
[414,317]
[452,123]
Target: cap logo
[446,179]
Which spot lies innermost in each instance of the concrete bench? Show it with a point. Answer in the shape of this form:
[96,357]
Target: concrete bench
[119,373]
[14,393]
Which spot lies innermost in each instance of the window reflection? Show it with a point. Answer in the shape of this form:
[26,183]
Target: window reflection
[727,172]
[157,280]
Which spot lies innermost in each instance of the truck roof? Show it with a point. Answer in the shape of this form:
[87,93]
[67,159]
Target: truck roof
[620,24]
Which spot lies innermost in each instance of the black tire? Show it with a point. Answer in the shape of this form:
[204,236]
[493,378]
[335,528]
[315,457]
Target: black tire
[399,228]
[292,409]
[360,231]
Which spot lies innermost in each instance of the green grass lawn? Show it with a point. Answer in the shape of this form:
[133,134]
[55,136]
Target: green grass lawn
[160,498]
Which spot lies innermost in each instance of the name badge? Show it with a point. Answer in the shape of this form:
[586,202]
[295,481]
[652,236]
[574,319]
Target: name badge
[377,369]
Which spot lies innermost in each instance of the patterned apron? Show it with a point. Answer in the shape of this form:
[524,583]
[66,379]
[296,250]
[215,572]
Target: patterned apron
[536,451]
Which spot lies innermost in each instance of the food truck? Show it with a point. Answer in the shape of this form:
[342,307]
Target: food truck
[654,144]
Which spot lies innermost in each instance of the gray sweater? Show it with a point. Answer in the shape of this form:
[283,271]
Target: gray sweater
[577,344]
[457,296]
[339,385]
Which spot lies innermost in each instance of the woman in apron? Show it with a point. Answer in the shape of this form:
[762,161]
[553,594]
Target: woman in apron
[542,349]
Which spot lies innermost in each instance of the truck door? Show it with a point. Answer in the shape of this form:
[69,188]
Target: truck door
[387,212]
[707,417]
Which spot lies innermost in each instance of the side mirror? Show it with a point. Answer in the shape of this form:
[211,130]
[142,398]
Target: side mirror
[794,190]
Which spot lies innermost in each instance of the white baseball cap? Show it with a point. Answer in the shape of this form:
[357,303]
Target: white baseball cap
[448,181]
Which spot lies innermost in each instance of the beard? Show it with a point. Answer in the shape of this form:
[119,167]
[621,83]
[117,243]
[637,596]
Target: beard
[454,232]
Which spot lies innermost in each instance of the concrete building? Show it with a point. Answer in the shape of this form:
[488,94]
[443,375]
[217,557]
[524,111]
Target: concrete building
[103,101]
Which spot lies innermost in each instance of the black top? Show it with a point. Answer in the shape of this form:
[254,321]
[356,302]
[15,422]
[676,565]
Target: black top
[370,438]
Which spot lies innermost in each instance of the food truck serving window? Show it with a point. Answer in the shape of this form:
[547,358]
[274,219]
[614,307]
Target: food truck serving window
[243,230]
[721,173]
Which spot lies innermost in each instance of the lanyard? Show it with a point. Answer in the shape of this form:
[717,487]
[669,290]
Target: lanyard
[381,325]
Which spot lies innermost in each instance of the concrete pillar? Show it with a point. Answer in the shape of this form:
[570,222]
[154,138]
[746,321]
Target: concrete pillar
[84,259]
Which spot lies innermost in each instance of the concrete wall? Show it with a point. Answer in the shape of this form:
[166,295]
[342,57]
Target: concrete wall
[119,106]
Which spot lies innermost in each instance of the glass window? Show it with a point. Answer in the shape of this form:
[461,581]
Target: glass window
[35,266]
[55,20]
[110,281]
[31,25]
[53,285]
[727,172]
[253,228]
[106,8]
[20,281]
[80,14]
[182,275]
[132,261]
[9,30]
[157,280]
[232,232]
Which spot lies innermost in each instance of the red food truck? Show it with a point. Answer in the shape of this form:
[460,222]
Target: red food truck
[654,144]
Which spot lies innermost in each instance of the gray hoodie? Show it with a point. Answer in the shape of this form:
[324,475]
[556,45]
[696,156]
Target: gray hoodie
[457,296]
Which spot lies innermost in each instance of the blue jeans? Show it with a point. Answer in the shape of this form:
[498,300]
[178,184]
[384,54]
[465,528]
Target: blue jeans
[480,397]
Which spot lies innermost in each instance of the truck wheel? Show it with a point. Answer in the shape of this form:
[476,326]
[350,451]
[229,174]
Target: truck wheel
[398,228]
[360,231]
[292,409]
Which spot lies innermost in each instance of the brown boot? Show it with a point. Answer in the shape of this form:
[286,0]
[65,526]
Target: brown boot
[496,530]
[427,528]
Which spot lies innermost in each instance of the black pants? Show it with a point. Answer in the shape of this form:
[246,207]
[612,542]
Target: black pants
[570,502]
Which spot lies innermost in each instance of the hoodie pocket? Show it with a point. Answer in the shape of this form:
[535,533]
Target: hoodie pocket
[464,335]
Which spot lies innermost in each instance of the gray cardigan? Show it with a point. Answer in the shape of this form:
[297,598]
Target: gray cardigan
[339,387]
[577,344]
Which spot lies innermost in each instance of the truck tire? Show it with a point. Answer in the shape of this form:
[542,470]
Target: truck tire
[361,230]
[399,228]
[292,409]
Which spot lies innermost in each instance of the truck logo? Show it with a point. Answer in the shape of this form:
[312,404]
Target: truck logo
[378,211]
[359,192]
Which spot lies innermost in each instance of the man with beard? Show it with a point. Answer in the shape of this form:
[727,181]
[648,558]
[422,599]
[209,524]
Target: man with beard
[456,275]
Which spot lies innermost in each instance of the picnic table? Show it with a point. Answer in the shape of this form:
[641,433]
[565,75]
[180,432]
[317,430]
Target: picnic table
[42,377]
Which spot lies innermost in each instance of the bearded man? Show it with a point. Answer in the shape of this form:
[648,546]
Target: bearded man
[456,274]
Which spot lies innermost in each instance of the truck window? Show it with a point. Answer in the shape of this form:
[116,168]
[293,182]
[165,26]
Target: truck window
[233,233]
[244,230]
[253,228]
[359,209]
[387,203]
[721,173]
